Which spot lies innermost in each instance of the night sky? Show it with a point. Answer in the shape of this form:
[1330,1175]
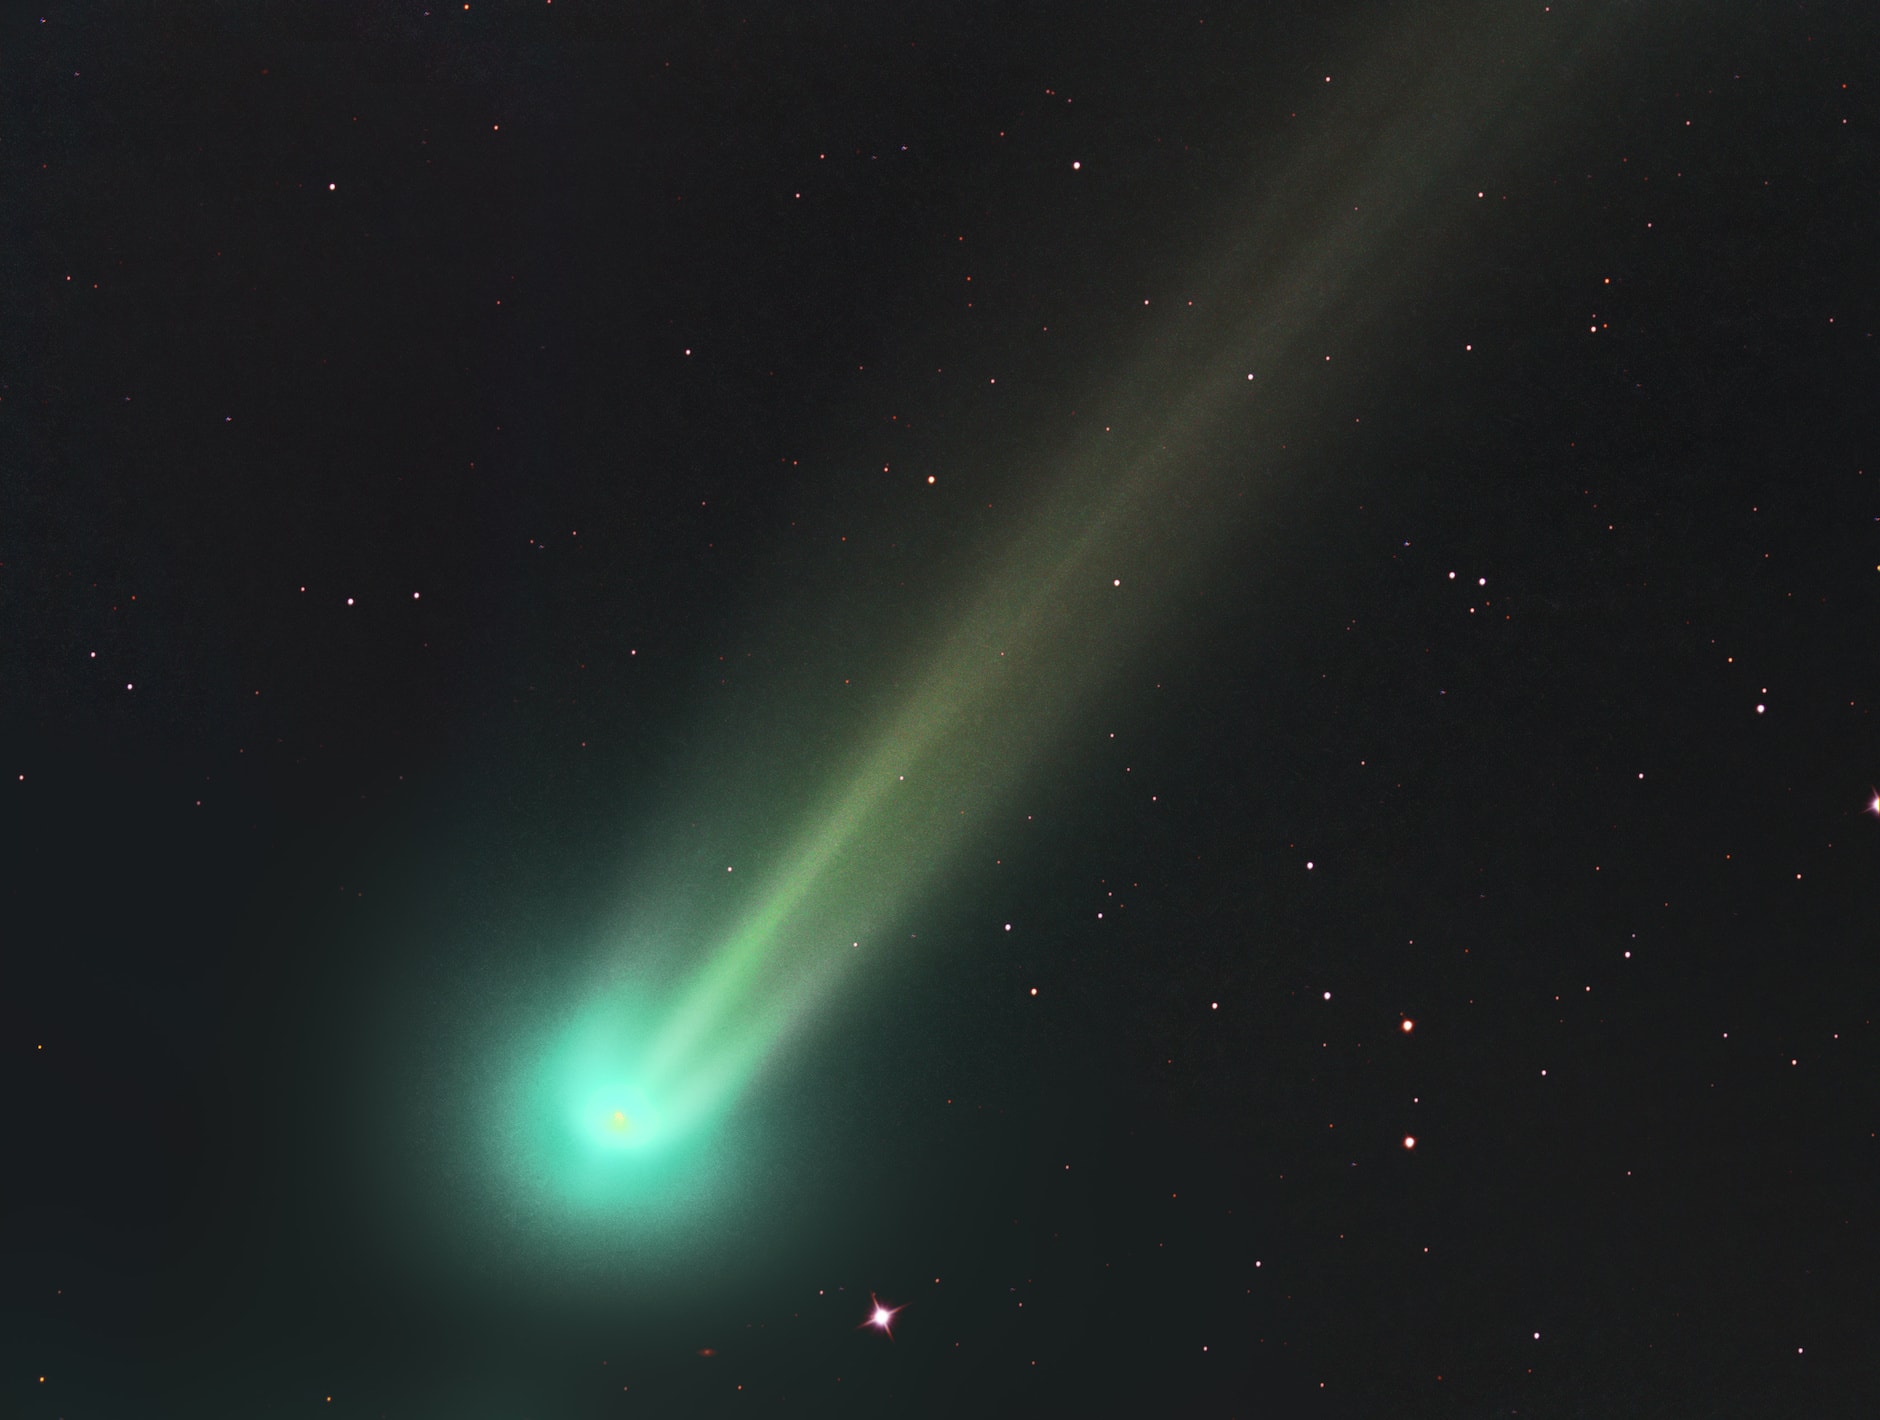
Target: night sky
[1184,690]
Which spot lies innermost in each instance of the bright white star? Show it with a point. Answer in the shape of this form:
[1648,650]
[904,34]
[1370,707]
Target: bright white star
[881,1317]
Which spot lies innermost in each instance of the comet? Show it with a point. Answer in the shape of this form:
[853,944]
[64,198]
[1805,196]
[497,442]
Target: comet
[617,1098]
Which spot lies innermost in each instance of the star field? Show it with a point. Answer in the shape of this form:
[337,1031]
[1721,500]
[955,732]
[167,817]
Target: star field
[1067,709]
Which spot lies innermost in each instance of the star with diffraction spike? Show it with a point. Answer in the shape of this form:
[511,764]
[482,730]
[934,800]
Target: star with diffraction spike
[882,1317]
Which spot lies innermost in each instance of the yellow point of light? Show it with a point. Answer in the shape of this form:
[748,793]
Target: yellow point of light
[619,1123]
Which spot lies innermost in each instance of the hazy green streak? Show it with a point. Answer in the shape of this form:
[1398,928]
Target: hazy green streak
[1049,627]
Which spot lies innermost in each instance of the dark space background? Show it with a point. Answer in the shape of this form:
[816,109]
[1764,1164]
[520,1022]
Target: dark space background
[1607,815]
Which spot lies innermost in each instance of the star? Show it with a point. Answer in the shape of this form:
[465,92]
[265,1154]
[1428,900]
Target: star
[881,1317]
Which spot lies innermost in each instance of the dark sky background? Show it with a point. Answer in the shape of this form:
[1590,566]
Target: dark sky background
[378,570]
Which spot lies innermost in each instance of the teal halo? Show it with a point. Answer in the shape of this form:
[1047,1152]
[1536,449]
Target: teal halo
[584,1134]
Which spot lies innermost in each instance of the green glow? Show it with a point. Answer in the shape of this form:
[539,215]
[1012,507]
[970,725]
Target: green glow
[619,1103]
[589,1131]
